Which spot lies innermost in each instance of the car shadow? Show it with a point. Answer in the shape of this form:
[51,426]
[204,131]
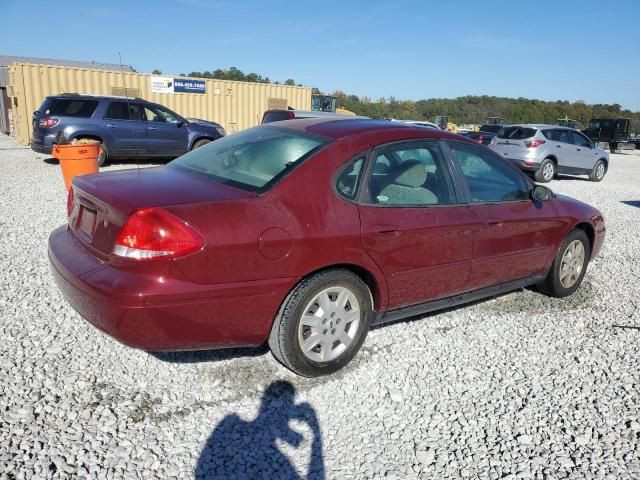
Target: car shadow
[631,203]
[251,449]
[201,356]
[571,177]
[51,161]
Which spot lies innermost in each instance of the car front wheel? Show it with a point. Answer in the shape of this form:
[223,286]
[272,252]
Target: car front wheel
[200,143]
[599,169]
[322,323]
[569,266]
[546,172]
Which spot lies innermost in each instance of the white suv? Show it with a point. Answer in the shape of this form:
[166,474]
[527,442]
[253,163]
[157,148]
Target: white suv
[547,150]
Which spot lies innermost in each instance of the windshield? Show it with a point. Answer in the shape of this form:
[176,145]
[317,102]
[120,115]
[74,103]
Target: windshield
[253,159]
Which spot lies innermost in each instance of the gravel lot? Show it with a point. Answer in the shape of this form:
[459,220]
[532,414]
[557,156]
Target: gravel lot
[520,386]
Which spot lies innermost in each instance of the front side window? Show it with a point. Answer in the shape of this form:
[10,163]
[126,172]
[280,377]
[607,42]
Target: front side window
[159,115]
[410,173]
[490,179]
[579,140]
[558,135]
[253,159]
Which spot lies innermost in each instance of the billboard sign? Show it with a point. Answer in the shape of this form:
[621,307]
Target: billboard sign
[188,85]
[161,85]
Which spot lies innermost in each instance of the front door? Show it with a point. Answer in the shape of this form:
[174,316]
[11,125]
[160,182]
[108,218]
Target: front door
[412,225]
[583,158]
[517,236]
[167,135]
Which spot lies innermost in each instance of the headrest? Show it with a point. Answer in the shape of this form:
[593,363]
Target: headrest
[413,174]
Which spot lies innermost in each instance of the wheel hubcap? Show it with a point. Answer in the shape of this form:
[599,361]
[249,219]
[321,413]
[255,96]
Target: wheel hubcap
[600,170]
[572,264]
[329,324]
[547,171]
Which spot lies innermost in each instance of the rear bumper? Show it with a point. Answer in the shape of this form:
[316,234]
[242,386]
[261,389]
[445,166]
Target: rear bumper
[42,145]
[526,165]
[163,312]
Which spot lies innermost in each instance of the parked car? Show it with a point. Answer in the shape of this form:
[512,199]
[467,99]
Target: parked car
[127,127]
[546,150]
[484,138]
[279,115]
[492,127]
[305,233]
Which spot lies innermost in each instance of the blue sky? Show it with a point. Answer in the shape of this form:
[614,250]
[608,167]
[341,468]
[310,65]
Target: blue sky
[551,50]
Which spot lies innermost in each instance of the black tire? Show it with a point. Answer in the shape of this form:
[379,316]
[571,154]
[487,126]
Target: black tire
[613,147]
[104,156]
[542,175]
[284,338]
[599,171]
[200,143]
[552,285]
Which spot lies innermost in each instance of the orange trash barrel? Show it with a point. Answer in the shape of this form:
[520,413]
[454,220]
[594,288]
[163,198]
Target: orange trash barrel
[77,159]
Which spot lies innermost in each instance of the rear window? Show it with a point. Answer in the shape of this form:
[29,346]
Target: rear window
[253,159]
[64,107]
[516,133]
[275,117]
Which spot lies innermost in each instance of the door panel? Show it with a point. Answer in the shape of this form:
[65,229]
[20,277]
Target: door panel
[582,155]
[424,252]
[126,136]
[166,135]
[516,235]
[411,225]
[515,240]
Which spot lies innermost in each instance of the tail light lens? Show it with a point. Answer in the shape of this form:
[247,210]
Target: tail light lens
[70,202]
[480,139]
[48,122]
[154,234]
[533,143]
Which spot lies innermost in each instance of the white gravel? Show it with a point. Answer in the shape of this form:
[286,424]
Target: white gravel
[521,386]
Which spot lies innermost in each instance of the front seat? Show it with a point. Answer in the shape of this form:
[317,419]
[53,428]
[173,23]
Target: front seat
[407,186]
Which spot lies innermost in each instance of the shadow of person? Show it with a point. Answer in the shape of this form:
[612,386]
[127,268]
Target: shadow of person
[239,449]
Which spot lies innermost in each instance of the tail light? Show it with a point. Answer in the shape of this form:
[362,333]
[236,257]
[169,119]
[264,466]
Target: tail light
[48,122]
[154,234]
[533,143]
[480,139]
[70,202]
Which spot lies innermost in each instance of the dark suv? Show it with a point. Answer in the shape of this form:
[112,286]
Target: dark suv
[127,127]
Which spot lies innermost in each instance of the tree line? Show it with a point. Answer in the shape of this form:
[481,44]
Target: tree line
[475,109]
[470,109]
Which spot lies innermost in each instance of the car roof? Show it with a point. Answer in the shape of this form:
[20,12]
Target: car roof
[95,96]
[540,125]
[339,128]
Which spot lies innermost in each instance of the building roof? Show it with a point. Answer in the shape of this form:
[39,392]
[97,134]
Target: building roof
[6,60]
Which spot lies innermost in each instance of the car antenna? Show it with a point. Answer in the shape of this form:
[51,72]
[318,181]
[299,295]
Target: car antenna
[126,95]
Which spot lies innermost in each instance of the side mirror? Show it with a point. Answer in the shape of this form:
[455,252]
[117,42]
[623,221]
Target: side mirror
[540,193]
[180,123]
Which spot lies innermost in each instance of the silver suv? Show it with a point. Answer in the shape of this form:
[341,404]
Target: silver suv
[547,150]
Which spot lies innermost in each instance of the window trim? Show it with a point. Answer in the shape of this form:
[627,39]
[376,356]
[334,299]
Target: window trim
[353,159]
[106,111]
[464,184]
[363,196]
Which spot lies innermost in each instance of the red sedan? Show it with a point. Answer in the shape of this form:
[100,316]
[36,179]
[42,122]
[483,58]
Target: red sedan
[305,233]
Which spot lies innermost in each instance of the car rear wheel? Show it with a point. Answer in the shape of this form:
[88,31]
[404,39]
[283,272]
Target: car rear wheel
[599,169]
[322,323]
[200,143]
[569,266]
[546,172]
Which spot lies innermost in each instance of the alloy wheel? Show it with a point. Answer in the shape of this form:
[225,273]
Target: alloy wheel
[572,264]
[547,171]
[600,171]
[329,324]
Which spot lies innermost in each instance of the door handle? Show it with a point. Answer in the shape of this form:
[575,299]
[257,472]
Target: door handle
[578,149]
[495,222]
[558,146]
[110,125]
[153,128]
[388,230]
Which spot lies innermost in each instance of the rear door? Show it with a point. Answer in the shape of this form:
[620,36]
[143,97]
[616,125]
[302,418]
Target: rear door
[412,224]
[125,136]
[563,150]
[167,135]
[516,236]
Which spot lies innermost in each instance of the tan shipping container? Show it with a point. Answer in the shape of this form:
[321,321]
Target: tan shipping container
[235,105]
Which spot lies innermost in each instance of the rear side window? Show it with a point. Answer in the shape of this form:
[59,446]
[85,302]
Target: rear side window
[558,135]
[275,117]
[125,111]
[347,182]
[517,133]
[63,107]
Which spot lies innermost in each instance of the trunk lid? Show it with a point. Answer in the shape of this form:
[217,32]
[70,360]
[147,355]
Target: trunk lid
[102,202]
